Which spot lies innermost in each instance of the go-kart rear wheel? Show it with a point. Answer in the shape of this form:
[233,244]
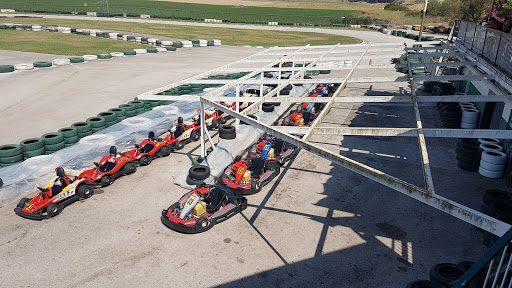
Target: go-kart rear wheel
[281,161]
[204,224]
[53,210]
[215,124]
[130,168]
[84,191]
[194,136]
[144,160]
[165,151]
[22,203]
[105,180]
[179,145]
[223,120]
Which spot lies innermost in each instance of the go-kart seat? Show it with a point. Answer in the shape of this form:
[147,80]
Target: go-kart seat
[216,197]
[151,136]
[307,117]
[147,148]
[109,165]
[257,167]
[179,131]
[318,107]
[278,146]
[58,186]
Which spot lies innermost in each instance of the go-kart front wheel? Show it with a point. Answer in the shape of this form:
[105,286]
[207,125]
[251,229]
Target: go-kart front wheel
[144,160]
[204,224]
[130,168]
[165,151]
[84,191]
[105,181]
[53,210]
[23,202]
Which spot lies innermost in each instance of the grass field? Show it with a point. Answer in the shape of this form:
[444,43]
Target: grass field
[229,36]
[191,11]
[61,44]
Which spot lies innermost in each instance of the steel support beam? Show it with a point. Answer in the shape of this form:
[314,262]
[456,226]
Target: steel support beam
[428,55]
[454,78]
[455,209]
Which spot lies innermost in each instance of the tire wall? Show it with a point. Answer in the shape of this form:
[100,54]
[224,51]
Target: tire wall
[20,179]
[245,136]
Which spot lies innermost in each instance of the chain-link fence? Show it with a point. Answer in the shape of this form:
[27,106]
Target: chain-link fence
[493,45]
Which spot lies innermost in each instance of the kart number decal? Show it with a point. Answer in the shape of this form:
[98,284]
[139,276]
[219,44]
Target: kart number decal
[266,147]
[190,201]
[297,117]
[120,160]
[29,206]
[240,170]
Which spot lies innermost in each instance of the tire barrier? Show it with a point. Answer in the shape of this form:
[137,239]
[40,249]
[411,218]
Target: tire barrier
[120,113]
[32,147]
[70,135]
[61,62]
[42,64]
[10,154]
[76,59]
[129,53]
[90,57]
[117,54]
[6,68]
[110,118]
[140,51]
[53,141]
[492,164]
[446,273]
[97,123]
[227,132]
[104,56]
[152,50]
[24,67]
[468,154]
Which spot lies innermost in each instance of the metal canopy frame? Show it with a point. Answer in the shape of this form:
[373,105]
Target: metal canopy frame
[321,57]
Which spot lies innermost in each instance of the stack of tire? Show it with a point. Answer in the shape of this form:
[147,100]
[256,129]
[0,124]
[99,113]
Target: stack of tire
[32,147]
[441,275]
[468,154]
[83,129]
[450,113]
[443,88]
[97,123]
[498,204]
[470,116]
[129,110]
[227,132]
[53,142]
[493,160]
[120,114]
[110,118]
[197,174]
[70,136]
[10,154]
[139,107]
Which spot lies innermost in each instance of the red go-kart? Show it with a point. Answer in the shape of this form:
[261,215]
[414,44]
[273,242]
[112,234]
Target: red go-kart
[57,194]
[200,209]
[182,133]
[298,119]
[148,150]
[109,168]
[248,176]
[212,118]
[271,148]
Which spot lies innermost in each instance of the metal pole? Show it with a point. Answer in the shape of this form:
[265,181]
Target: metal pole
[237,104]
[423,19]
[202,129]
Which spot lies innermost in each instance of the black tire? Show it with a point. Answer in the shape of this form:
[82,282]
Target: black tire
[165,151]
[68,132]
[467,142]
[130,168]
[284,92]
[31,144]
[466,264]
[467,167]
[194,136]
[223,120]
[502,208]
[205,224]
[228,136]
[226,129]
[424,284]
[199,172]
[196,182]
[144,160]
[446,273]
[22,203]
[53,210]
[493,195]
[85,191]
[179,145]
[106,181]
[267,107]
[468,160]
[473,152]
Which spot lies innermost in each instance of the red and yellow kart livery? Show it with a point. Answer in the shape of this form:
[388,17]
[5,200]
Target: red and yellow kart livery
[271,148]
[148,150]
[248,176]
[182,133]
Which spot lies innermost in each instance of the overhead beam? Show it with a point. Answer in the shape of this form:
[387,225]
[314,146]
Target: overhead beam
[428,55]
[453,78]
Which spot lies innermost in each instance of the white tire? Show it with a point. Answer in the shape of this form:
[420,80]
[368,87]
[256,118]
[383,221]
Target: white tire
[188,46]
[490,174]
[112,35]
[494,157]
[465,107]
[61,62]
[125,37]
[186,42]
[161,49]
[140,51]
[166,43]
[466,125]
[138,39]
[491,147]
[492,167]
[489,141]
[152,40]
[470,113]
[464,103]
[117,54]
[90,57]
[23,66]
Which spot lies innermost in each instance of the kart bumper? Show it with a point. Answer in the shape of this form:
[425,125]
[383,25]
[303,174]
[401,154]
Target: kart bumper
[178,226]
[31,216]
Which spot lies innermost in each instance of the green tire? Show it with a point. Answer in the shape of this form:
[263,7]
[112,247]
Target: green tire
[170,48]
[325,71]
[82,127]
[110,123]
[96,122]
[33,153]
[84,134]
[68,145]
[54,147]
[11,159]
[43,64]
[76,59]
[154,103]
[119,119]
[127,107]
[52,138]
[139,111]
[69,132]
[109,116]
[96,129]
[131,113]
[6,68]
[10,150]
[152,50]
[71,140]
[104,56]
[31,144]
[119,112]
[129,53]
[138,104]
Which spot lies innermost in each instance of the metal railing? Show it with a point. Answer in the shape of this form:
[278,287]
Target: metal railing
[492,45]
[493,269]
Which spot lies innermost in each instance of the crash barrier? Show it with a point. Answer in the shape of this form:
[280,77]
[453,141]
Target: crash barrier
[161,46]
[246,135]
[21,178]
